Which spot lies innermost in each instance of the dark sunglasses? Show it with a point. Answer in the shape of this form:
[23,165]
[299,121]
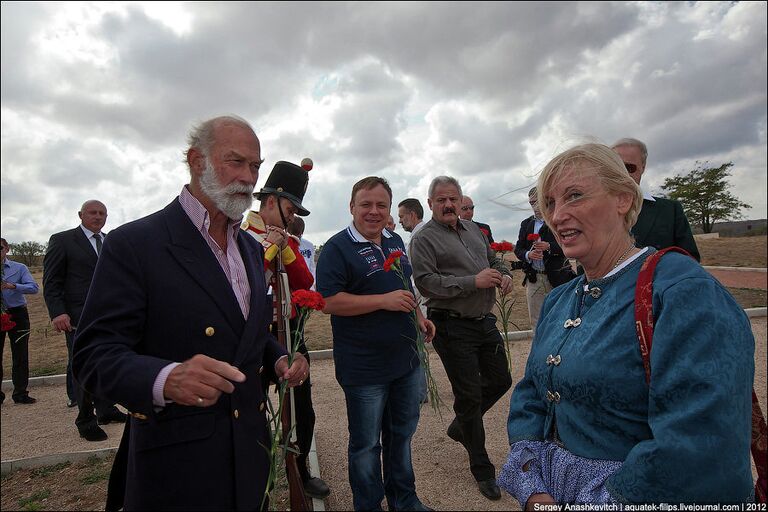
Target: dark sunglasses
[631,168]
[465,208]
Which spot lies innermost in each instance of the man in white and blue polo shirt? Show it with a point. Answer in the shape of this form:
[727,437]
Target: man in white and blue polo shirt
[374,350]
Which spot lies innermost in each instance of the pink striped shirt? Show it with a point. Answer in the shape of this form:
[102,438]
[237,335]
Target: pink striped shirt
[231,263]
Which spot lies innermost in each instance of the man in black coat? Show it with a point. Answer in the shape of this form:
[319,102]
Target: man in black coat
[467,212]
[662,222]
[543,261]
[175,329]
[68,267]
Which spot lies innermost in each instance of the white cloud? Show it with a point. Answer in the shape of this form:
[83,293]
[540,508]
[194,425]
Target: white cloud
[97,97]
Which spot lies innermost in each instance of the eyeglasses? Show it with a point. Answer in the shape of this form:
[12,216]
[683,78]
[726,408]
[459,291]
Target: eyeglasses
[631,168]
[467,208]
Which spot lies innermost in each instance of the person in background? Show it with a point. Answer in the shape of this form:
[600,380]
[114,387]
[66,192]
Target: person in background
[68,267]
[391,224]
[662,222]
[279,207]
[584,425]
[467,212]
[175,329]
[458,273]
[306,248]
[374,349]
[16,282]
[411,213]
[543,262]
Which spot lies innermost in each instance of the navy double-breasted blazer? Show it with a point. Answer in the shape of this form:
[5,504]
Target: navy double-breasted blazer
[159,296]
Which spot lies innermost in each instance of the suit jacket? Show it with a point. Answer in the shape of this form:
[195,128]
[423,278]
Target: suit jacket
[159,296]
[68,267]
[662,223]
[556,265]
[486,229]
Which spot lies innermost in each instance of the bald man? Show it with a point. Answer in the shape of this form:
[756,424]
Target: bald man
[68,267]
[468,212]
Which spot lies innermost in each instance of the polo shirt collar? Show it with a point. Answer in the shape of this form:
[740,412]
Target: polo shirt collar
[355,235]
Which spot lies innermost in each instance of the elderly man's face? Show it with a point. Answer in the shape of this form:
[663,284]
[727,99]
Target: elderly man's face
[445,204]
[467,208]
[633,161]
[370,211]
[93,216]
[232,169]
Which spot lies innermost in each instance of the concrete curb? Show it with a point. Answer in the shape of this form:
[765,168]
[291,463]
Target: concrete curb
[50,380]
[738,269]
[55,458]
[314,471]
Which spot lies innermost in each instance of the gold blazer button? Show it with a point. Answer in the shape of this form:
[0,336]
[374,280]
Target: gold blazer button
[210,331]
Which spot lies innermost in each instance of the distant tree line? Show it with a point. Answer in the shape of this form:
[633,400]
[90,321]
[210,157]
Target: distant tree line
[29,253]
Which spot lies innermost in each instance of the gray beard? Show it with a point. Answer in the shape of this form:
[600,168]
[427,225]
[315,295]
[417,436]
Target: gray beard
[223,197]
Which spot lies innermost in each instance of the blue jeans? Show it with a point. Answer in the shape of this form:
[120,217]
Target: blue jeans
[389,412]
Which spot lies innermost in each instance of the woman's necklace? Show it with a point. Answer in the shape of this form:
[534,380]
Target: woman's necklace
[624,256]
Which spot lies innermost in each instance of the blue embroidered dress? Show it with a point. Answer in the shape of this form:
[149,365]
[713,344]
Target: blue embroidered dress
[588,428]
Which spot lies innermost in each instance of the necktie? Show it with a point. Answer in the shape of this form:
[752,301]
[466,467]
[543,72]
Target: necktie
[97,237]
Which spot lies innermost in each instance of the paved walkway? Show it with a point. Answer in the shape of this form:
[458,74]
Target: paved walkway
[756,279]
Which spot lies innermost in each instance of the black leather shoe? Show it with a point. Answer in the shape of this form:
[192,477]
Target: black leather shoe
[489,489]
[112,417]
[71,403]
[316,488]
[24,399]
[93,433]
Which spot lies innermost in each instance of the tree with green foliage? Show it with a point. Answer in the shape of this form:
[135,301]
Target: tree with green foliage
[27,253]
[704,195]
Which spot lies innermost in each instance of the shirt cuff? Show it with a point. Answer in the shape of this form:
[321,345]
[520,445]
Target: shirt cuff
[158,397]
[288,255]
[278,360]
[520,483]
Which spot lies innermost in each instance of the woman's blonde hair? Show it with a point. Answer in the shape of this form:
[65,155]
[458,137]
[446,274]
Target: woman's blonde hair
[606,165]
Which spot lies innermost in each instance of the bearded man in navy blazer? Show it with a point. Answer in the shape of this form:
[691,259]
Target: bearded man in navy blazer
[175,330]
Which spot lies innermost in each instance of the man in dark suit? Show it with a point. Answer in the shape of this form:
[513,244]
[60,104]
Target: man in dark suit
[68,267]
[662,222]
[543,261]
[175,330]
[468,212]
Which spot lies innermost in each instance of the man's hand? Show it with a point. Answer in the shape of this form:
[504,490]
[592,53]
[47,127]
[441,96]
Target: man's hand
[62,323]
[506,284]
[296,374]
[200,381]
[399,300]
[428,328]
[8,286]
[541,245]
[535,254]
[539,499]
[277,236]
[488,278]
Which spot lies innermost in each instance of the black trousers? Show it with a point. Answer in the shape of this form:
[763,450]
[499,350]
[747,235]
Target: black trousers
[86,402]
[19,340]
[305,412]
[474,358]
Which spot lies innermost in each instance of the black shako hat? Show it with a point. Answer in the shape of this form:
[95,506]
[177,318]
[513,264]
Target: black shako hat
[289,181]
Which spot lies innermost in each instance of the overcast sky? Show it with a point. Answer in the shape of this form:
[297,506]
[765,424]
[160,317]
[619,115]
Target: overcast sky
[97,99]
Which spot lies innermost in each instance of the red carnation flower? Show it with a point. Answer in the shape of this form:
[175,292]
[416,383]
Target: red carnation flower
[308,299]
[392,259]
[533,237]
[502,246]
[6,324]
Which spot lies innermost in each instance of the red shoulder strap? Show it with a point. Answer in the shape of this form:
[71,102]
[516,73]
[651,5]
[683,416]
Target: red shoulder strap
[644,327]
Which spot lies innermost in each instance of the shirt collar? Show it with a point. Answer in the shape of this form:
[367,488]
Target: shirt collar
[355,235]
[88,233]
[459,224]
[417,227]
[646,195]
[199,215]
